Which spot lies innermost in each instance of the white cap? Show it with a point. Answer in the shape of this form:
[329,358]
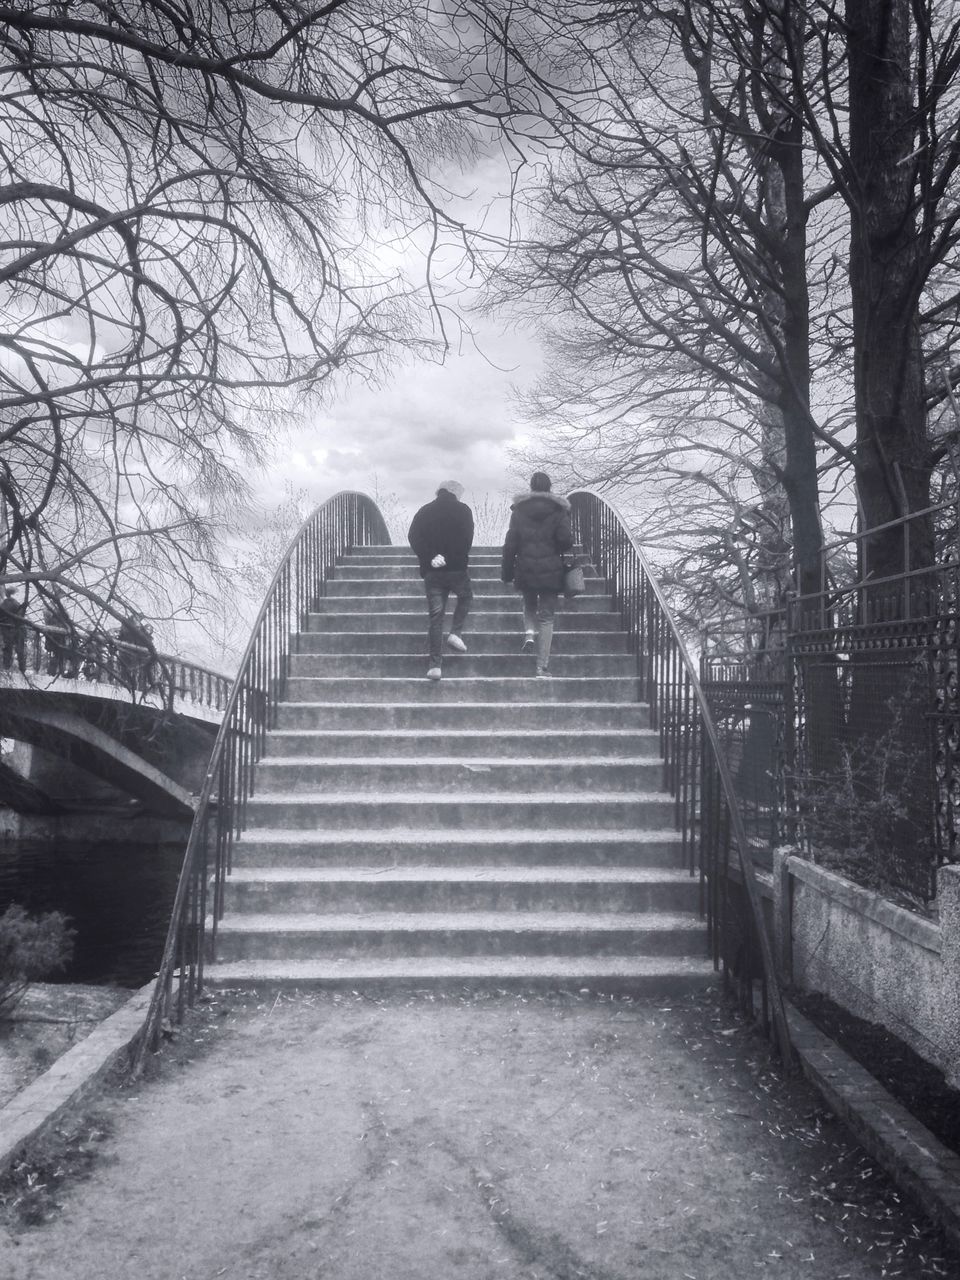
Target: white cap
[451,486]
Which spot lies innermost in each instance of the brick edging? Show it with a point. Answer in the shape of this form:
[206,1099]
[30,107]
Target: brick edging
[71,1078]
[906,1149]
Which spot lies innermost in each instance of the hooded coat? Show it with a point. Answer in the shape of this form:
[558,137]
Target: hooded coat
[538,536]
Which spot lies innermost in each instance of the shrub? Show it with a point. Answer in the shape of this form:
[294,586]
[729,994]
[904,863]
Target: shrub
[31,947]
[870,818]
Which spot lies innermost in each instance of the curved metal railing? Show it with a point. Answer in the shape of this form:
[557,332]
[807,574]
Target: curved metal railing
[93,658]
[343,521]
[695,770]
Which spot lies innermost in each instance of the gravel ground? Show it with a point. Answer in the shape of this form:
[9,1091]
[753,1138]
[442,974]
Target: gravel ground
[337,1138]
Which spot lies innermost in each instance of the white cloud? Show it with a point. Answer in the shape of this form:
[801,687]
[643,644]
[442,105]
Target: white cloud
[426,423]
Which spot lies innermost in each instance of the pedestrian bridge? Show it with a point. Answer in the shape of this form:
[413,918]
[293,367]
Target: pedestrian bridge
[140,720]
[362,825]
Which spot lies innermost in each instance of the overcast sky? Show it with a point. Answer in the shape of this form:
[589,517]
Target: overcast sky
[427,422]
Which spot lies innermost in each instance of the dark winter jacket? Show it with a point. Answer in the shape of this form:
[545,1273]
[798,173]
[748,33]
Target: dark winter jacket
[443,527]
[539,534]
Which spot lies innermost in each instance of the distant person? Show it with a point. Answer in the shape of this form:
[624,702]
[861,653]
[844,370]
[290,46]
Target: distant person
[59,641]
[135,634]
[441,536]
[13,631]
[533,551]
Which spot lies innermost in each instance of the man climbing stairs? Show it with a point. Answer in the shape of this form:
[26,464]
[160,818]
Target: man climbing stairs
[489,830]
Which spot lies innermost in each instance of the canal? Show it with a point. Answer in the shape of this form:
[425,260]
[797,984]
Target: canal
[118,896]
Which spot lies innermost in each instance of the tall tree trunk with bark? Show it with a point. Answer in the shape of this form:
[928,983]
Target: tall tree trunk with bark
[893,461]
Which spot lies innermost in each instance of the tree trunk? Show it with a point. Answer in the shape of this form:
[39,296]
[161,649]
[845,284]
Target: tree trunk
[787,215]
[893,466]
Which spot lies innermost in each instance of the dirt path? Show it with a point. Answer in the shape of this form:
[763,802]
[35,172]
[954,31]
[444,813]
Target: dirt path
[339,1139]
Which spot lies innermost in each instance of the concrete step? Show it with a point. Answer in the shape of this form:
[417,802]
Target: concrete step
[482,568]
[316,890]
[454,688]
[660,977]
[460,743]
[461,810]
[488,589]
[401,551]
[504,602]
[414,641]
[460,665]
[459,933]
[412,618]
[392,847]
[460,715]
[421,775]
[408,571]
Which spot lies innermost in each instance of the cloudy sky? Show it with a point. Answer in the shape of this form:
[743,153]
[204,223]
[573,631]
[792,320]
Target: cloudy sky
[426,423]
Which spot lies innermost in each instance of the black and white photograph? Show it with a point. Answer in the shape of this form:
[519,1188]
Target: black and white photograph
[479,639]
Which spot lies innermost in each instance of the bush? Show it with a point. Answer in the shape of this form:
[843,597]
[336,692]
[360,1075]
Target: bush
[31,947]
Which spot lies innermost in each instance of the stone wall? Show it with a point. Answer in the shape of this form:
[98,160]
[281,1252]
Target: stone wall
[879,961]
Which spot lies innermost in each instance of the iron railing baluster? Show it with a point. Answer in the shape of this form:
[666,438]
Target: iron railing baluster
[251,709]
[707,812]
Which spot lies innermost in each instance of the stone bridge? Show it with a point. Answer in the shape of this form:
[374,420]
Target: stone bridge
[86,706]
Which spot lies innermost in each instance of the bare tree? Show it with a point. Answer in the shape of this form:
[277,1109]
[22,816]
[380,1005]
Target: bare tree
[192,204]
[747,191]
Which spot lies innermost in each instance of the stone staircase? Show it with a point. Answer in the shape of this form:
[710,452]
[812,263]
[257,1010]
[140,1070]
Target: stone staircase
[491,830]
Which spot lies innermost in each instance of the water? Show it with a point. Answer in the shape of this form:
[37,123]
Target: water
[118,897]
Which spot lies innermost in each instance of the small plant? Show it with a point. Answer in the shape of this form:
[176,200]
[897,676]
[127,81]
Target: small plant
[31,947]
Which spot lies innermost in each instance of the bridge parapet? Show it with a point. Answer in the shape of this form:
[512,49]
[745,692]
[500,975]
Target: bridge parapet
[98,664]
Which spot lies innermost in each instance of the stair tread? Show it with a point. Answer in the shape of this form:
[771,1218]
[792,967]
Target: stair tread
[419,734]
[507,707]
[421,798]
[362,969]
[462,921]
[467,762]
[464,835]
[455,875]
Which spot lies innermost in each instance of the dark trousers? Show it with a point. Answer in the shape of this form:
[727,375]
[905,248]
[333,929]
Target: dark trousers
[438,584]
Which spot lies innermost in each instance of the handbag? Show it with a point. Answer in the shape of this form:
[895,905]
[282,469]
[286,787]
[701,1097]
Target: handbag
[573,580]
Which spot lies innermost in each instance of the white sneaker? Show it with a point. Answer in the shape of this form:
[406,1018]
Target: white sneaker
[455,642]
[434,673]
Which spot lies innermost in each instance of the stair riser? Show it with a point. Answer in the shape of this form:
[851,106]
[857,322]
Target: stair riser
[506,814]
[482,569]
[414,643]
[401,551]
[389,943]
[507,622]
[511,777]
[470,895]
[565,719]
[254,851]
[488,589]
[492,745]
[455,688]
[506,603]
[659,986]
[458,665]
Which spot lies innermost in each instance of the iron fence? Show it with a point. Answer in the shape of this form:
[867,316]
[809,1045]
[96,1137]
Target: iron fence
[343,521]
[867,748]
[708,814]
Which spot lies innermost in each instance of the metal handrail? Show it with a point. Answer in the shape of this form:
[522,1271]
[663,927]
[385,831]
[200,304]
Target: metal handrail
[696,770]
[346,520]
